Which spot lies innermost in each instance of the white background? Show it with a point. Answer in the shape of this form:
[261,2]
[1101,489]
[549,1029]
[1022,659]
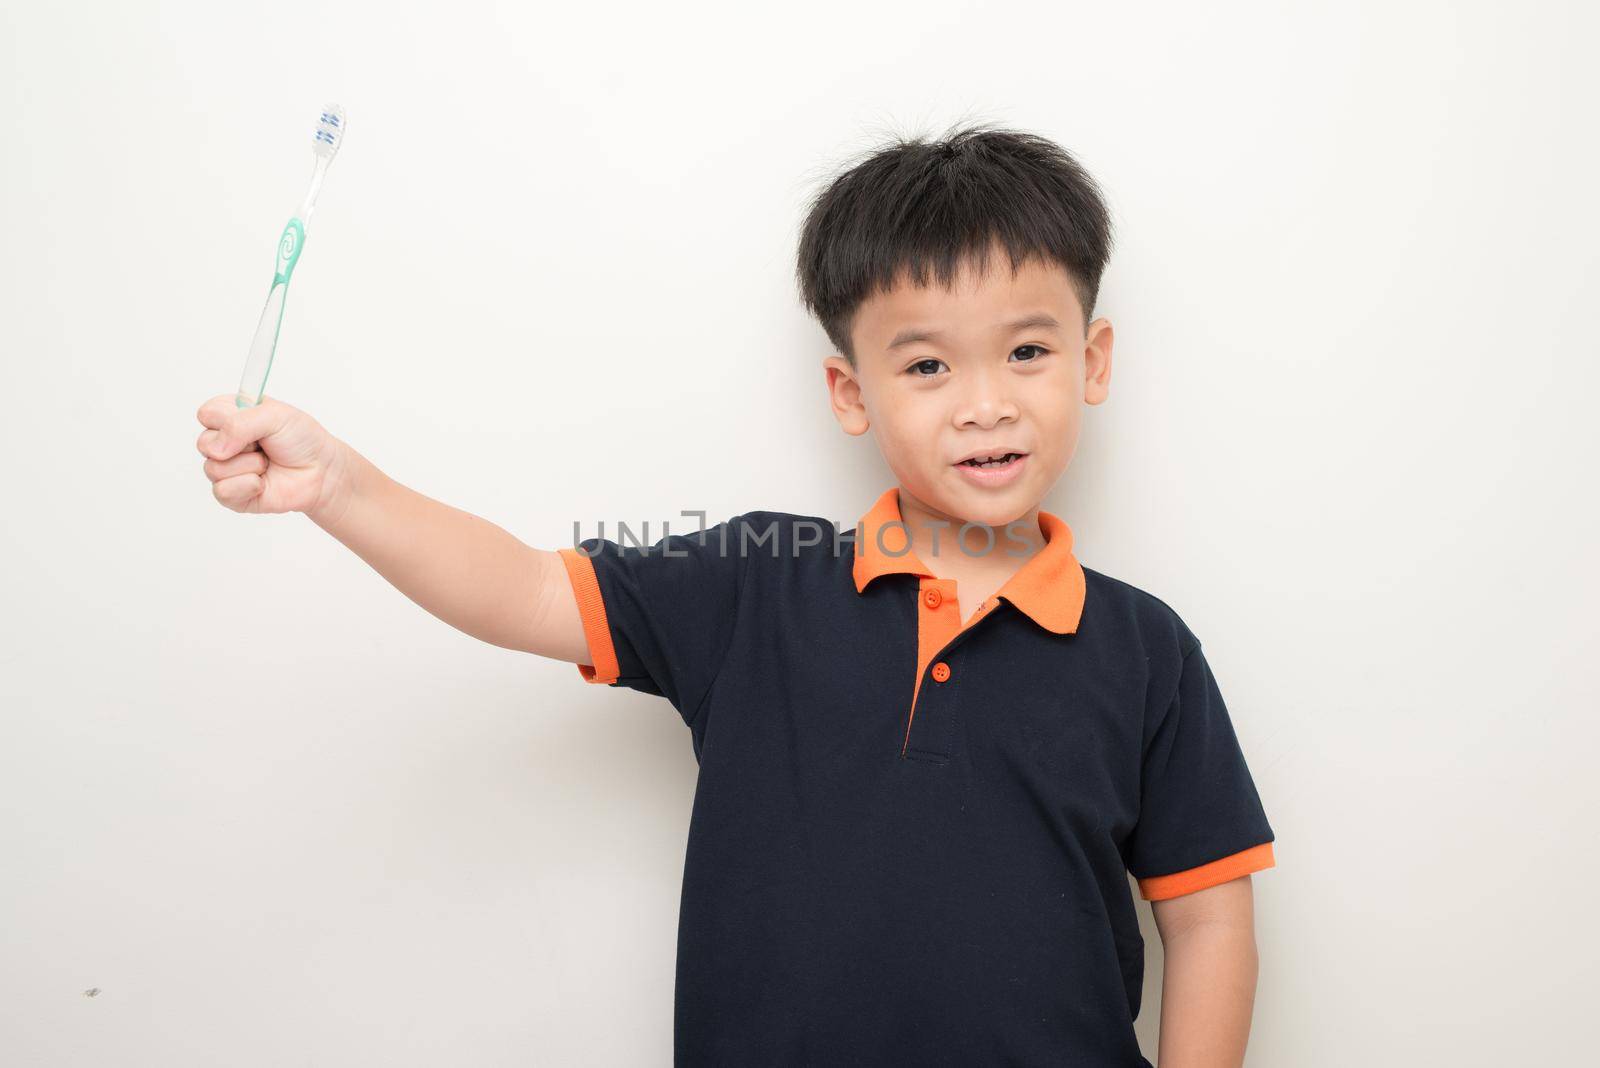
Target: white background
[277,814]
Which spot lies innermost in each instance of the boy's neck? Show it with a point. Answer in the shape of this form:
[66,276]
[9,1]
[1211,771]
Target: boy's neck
[1009,551]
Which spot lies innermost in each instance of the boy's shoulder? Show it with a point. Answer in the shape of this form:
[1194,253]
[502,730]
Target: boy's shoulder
[764,516]
[788,535]
[1117,605]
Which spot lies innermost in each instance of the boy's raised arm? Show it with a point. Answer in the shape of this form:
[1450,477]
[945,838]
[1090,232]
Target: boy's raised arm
[464,569]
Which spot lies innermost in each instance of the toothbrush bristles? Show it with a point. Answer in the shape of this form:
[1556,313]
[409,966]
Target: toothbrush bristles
[330,128]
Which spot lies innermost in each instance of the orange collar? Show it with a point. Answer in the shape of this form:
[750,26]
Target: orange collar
[1049,588]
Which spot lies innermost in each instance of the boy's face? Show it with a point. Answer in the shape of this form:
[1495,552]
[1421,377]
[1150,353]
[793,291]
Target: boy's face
[942,375]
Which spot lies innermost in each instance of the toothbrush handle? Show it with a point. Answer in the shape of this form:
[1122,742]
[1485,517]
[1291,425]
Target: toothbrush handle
[254,383]
[262,346]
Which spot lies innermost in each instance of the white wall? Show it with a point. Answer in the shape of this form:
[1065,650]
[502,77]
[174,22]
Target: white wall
[276,814]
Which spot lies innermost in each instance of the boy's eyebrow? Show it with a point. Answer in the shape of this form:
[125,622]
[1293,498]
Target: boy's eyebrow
[1027,322]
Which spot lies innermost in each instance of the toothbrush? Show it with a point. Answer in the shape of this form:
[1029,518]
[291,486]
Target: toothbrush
[329,132]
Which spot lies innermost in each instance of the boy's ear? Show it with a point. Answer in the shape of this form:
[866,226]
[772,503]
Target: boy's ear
[844,395]
[1097,361]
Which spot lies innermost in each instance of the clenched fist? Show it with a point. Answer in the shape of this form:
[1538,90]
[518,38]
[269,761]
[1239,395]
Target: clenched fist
[270,458]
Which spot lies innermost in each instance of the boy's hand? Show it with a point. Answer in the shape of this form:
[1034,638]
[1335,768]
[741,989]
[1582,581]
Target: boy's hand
[271,458]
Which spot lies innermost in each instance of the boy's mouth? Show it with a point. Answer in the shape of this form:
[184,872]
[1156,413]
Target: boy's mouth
[993,469]
[990,461]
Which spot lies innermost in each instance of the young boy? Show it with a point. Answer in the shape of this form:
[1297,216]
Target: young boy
[933,747]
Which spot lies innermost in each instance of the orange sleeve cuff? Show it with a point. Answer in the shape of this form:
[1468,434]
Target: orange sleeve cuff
[1161,887]
[592,610]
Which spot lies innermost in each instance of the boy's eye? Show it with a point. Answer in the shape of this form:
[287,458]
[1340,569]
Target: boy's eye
[929,367]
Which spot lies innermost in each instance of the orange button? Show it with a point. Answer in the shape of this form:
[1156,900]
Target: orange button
[941,671]
[931,598]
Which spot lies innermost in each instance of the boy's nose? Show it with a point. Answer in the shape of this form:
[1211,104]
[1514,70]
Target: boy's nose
[985,402]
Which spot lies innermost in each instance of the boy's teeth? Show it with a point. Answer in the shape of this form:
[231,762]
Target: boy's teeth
[991,463]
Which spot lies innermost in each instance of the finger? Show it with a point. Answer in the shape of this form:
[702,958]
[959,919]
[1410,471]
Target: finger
[213,411]
[238,492]
[219,415]
[237,430]
[246,463]
[212,446]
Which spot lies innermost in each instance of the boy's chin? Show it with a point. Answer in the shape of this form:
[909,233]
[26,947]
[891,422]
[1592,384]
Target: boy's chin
[993,507]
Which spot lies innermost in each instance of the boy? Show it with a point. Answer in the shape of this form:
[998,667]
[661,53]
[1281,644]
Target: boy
[930,752]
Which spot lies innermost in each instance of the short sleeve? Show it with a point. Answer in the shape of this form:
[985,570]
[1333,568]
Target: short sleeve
[659,618]
[1200,819]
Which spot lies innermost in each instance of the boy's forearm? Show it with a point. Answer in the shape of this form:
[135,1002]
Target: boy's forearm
[462,568]
[1207,996]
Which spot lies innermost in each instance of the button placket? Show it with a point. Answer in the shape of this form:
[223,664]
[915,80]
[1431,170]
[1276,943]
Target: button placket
[939,635]
[932,727]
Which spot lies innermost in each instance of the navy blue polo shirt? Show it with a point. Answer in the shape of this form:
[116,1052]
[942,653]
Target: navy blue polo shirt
[912,835]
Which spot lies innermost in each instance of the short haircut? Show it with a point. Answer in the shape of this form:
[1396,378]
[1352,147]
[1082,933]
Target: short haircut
[915,205]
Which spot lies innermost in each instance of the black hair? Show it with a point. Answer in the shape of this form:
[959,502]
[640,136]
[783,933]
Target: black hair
[915,205]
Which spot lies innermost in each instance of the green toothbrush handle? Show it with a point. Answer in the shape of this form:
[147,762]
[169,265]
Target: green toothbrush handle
[254,383]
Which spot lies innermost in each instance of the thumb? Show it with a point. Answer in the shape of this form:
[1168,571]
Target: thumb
[239,429]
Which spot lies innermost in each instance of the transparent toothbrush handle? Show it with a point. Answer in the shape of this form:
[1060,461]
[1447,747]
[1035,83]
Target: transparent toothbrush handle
[253,386]
[254,383]
[262,346]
